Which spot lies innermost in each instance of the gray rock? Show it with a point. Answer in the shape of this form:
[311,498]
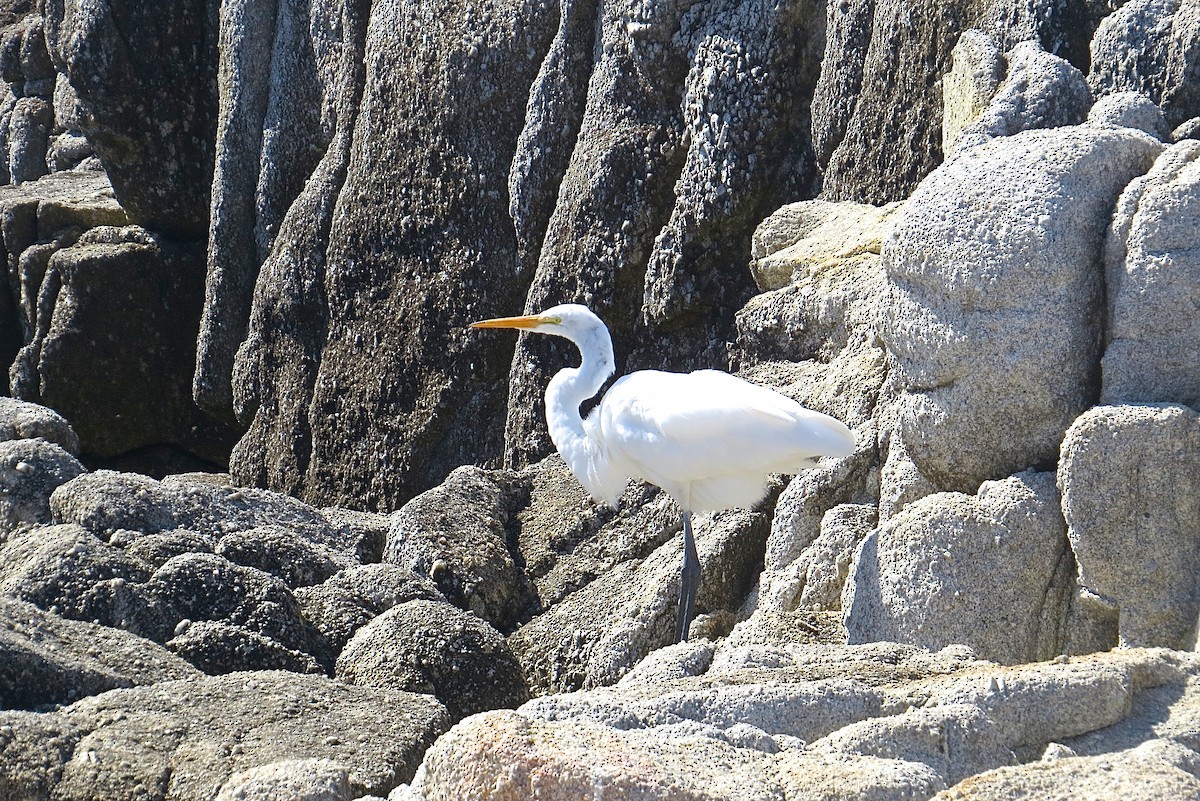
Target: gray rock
[297,780]
[283,554]
[30,470]
[67,151]
[368,531]
[205,587]
[976,69]
[431,647]
[67,571]
[218,648]
[1150,260]
[1131,110]
[270,85]
[113,293]
[184,739]
[991,571]
[354,597]
[1149,46]
[1188,129]
[1039,90]
[22,420]
[106,501]
[155,549]
[46,660]
[28,137]
[1124,476]
[596,634]
[150,116]
[982,255]
[457,535]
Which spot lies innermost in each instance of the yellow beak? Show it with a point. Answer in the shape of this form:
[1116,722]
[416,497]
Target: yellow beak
[528,321]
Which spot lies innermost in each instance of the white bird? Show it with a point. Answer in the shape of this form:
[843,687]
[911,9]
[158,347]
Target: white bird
[708,438]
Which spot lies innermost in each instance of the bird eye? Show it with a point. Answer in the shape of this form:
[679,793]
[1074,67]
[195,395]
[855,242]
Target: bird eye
[552,320]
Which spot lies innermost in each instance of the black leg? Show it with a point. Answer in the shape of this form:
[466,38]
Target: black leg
[690,583]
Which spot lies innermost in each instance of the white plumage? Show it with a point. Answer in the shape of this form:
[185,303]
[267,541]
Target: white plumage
[708,438]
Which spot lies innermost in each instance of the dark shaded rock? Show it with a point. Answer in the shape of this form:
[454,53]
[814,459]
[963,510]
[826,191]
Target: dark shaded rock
[67,151]
[431,647]
[693,127]
[66,570]
[205,587]
[455,534]
[382,411]
[353,598]
[155,549]
[22,420]
[874,149]
[145,76]
[46,660]
[283,554]
[271,138]
[183,739]
[30,470]
[219,648]
[114,343]
[105,502]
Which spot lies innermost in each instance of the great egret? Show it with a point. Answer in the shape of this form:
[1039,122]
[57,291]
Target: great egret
[708,438]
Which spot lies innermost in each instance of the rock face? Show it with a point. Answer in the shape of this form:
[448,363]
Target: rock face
[966,293]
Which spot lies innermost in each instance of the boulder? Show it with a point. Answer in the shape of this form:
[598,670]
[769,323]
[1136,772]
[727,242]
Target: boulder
[1125,478]
[1039,90]
[1149,46]
[999,242]
[992,571]
[976,69]
[457,535]
[184,739]
[351,599]
[46,660]
[1131,110]
[145,78]
[1151,264]
[22,420]
[283,554]
[217,648]
[114,293]
[431,647]
[296,780]
[30,470]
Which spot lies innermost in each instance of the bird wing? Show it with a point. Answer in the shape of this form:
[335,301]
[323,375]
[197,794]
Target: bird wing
[684,427]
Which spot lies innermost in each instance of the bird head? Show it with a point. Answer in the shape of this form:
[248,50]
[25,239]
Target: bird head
[568,320]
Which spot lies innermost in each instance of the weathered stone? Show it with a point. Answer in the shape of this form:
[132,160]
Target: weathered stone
[296,780]
[1152,261]
[982,255]
[106,501]
[30,470]
[456,534]
[353,598]
[283,554]
[431,647]
[1150,46]
[184,739]
[976,70]
[28,137]
[1131,110]
[217,648]
[145,77]
[23,420]
[1039,90]
[1125,476]
[116,293]
[991,571]
[46,660]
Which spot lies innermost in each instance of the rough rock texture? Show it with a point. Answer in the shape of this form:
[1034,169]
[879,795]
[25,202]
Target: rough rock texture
[297,780]
[457,535]
[184,739]
[22,420]
[998,243]
[1131,523]
[46,660]
[431,647]
[1039,90]
[112,292]
[890,722]
[1150,46]
[366,413]
[1151,257]
[991,571]
[30,470]
[145,80]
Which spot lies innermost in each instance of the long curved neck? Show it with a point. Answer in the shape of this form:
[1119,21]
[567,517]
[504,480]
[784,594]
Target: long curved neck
[572,386]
